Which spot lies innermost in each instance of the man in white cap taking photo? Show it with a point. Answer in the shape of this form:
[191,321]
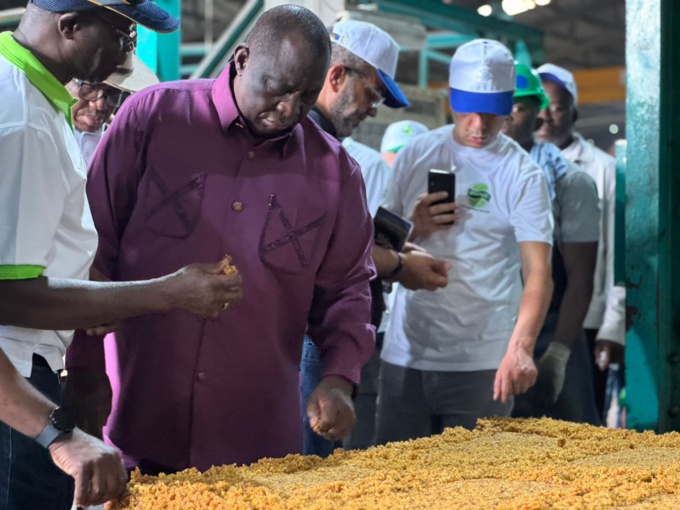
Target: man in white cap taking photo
[462,353]
[606,318]
[360,79]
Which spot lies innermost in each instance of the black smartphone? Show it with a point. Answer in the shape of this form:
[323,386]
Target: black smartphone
[442,180]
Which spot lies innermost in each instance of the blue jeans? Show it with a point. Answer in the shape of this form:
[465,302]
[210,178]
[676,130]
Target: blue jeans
[310,376]
[29,480]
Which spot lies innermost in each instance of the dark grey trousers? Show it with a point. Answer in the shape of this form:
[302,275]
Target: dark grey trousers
[418,403]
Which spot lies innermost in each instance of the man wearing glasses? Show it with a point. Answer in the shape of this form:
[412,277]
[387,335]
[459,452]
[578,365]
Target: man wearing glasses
[47,243]
[97,102]
[359,80]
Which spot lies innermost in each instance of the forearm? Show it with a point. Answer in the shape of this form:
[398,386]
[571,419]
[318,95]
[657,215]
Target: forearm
[22,407]
[573,310]
[384,260]
[538,288]
[53,303]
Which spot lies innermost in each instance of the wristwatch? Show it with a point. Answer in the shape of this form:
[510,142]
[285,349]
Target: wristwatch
[61,422]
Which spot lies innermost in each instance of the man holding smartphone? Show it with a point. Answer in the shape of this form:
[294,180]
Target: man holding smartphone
[462,353]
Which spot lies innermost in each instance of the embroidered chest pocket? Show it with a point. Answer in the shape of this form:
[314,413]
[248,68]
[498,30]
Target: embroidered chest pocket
[173,209]
[288,240]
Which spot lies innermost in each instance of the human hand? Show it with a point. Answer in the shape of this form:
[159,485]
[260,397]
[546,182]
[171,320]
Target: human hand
[96,467]
[515,375]
[203,289]
[409,247]
[422,271]
[86,392]
[608,352]
[428,218]
[330,409]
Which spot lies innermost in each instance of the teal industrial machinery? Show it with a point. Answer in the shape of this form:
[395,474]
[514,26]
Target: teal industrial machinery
[653,214]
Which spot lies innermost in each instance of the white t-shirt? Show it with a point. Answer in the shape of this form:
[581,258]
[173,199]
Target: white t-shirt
[88,141]
[45,219]
[504,200]
[375,171]
[575,207]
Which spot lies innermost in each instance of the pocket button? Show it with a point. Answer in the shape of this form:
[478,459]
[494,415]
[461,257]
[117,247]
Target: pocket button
[251,155]
[237,206]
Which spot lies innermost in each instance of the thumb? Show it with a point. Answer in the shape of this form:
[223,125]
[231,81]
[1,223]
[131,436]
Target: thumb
[313,412]
[215,267]
[440,266]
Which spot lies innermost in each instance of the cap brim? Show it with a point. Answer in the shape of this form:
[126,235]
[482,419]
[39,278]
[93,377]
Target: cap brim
[145,13]
[494,103]
[551,77]
[138,78]
[395,97]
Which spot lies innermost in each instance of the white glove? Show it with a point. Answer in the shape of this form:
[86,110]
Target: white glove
[552,366]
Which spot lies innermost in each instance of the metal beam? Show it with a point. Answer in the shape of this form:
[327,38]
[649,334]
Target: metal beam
[214,61]
[436,14]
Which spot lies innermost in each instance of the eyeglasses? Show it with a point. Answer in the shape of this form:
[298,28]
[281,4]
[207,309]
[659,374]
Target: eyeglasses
[127,39]
[378,97]
[113,97]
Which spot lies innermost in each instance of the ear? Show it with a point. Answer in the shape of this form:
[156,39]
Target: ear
[68,24]
[241,58]
[575,116]
[336,77]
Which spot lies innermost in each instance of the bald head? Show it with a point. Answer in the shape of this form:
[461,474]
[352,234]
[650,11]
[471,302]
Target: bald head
[285,21]
[280,69]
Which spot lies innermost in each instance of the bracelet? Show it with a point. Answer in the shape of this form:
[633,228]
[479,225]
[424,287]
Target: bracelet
[397,269]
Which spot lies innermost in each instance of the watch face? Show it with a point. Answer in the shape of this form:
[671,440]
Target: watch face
[62,420]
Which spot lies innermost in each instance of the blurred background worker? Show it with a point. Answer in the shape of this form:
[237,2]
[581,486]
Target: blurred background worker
[98,102]
[397,135]
[564,388]
[605,321]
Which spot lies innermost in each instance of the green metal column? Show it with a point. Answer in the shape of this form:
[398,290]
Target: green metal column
[669,220]
[161,51]
[652,216]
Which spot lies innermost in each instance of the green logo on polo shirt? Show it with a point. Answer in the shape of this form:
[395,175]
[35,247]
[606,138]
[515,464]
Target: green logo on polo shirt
[479,195]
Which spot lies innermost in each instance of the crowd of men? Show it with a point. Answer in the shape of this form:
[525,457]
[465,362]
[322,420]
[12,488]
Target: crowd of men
[502,301]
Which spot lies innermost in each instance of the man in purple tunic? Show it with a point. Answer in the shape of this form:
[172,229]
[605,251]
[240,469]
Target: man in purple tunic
[198,169]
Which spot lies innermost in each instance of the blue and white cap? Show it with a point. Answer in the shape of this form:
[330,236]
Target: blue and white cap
[482,78]
[559,75]
[377,48]
[143,12]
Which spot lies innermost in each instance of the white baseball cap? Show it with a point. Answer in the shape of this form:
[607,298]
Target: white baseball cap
[377,48]
[400,133]
[132,76]
[482,78]
[559,75]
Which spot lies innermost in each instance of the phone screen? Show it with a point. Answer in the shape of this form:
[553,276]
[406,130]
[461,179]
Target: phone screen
[442,180]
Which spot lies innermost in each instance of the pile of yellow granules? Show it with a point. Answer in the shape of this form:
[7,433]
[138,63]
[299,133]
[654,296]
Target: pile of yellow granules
[502,464]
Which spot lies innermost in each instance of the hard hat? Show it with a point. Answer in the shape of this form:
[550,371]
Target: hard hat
[528,83]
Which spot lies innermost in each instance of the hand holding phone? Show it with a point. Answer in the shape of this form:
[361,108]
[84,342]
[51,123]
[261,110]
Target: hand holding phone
[442,180]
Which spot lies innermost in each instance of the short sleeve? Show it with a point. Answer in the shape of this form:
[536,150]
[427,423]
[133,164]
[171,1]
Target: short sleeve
[33,191]
[579,210]
[530,209]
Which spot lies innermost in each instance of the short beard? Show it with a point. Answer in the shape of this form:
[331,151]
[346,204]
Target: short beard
[345,102]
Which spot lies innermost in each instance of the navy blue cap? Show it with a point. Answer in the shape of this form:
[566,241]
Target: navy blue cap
[143,12]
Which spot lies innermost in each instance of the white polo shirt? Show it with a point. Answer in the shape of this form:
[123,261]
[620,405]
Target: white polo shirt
[504,200]
[45,223]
